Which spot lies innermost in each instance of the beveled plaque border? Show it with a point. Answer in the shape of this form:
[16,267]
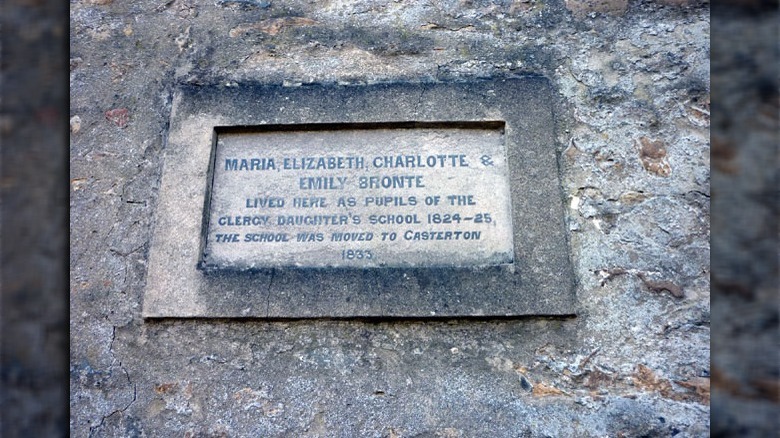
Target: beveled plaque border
[540,282]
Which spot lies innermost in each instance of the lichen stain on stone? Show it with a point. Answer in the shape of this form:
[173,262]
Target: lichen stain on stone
[166,388]
[697,389]
[645,379]
[653,156]
[700,387]
[698,113]
[659,286]
[632,197]
[597,379]
[119,116]
[544,390]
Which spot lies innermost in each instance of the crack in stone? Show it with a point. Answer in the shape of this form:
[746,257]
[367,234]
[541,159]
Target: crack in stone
[419,100]
[125,254]
[94,429]
[699,192]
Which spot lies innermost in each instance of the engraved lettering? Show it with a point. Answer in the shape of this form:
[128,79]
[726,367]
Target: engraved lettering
[360,198]
[389,219]
[442,235]
[266,237]
[391,182]
[352,237]
[234,164]
[322,183]
[242,220]
[310,202]
[390,201]
[419,161]
[309,237]
[266,202]
[461,199]
[312,220]
[323,163]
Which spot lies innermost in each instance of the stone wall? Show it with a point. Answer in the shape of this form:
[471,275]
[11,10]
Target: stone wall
[632,130]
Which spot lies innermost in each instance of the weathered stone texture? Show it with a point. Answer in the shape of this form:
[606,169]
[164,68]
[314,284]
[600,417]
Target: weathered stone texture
[632,129]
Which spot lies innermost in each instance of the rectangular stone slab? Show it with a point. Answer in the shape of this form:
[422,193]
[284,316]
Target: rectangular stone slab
[522,268]
[391,195]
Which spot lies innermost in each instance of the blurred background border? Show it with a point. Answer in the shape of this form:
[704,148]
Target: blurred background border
[34,218]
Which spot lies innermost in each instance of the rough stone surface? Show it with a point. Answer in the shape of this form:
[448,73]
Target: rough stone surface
[635,360]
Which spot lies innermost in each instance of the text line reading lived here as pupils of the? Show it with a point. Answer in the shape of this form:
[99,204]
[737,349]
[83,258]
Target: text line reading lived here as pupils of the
[357,205]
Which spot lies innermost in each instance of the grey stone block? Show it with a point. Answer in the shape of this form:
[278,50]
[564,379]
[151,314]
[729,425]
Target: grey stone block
[182,282]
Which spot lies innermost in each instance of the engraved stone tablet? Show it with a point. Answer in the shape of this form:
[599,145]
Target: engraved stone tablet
[393,196]
[402,200]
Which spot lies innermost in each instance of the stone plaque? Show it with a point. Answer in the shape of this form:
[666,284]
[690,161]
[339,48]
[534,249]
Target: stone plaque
[386,196]
[402,200]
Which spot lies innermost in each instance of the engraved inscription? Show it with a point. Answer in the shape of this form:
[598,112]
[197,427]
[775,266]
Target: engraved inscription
[396,197]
